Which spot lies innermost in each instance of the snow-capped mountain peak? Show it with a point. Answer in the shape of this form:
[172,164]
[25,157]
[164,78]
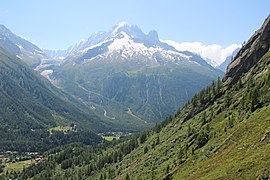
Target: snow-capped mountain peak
[122,31]
[131,30]
[121,46]
[120,25]
[125,45]
[128,43]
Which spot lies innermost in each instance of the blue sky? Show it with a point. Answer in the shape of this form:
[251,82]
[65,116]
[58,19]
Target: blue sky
[57,24]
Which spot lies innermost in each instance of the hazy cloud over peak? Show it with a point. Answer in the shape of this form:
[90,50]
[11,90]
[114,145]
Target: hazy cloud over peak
[213,52]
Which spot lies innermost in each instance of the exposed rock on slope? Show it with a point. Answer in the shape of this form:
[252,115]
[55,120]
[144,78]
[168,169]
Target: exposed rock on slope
[250,53]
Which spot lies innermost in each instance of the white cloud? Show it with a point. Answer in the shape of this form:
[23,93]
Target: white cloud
[213,52]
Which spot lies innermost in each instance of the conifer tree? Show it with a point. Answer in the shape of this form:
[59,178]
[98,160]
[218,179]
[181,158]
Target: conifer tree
[127,177]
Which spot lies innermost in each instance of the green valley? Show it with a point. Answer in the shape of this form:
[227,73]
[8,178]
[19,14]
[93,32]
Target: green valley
[223,132]
[128,105]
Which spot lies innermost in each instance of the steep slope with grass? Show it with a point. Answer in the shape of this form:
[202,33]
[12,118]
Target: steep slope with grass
[222,133]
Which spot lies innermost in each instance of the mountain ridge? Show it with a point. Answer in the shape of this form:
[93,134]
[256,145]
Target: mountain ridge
[24,49]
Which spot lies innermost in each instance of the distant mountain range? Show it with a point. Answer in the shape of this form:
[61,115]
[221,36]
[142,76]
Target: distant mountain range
[129,76]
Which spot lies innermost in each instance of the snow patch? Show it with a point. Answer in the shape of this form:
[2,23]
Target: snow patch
[19,46]
[46,72]
[19,57]
[38,51]
[94,46]
[41,66]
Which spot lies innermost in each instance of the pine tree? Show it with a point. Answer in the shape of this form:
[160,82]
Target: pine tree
[158,140]
[110,173]
[203,118]
[230,121]
[168,169]
[250,84]
[182,153]
[143,138]
[185,150]
[127,177]
[267,80]
[213,87]
[219,85]
[101,177]
[145,150]
[152,173]
[189,131]
[240,84]
[254,99]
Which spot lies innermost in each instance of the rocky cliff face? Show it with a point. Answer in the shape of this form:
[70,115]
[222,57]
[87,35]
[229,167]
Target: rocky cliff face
[250,53]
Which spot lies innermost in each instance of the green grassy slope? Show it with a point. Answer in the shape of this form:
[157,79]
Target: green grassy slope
[240,150]
[243,154]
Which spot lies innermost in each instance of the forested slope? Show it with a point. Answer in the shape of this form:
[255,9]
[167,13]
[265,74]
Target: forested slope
[30,105]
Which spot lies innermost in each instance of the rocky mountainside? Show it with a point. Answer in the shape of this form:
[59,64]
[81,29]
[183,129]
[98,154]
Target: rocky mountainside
[250,53]
[20,47]
[132,77]
[222,133]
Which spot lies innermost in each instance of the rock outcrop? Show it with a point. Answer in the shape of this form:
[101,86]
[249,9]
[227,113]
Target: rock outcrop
[250,53]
